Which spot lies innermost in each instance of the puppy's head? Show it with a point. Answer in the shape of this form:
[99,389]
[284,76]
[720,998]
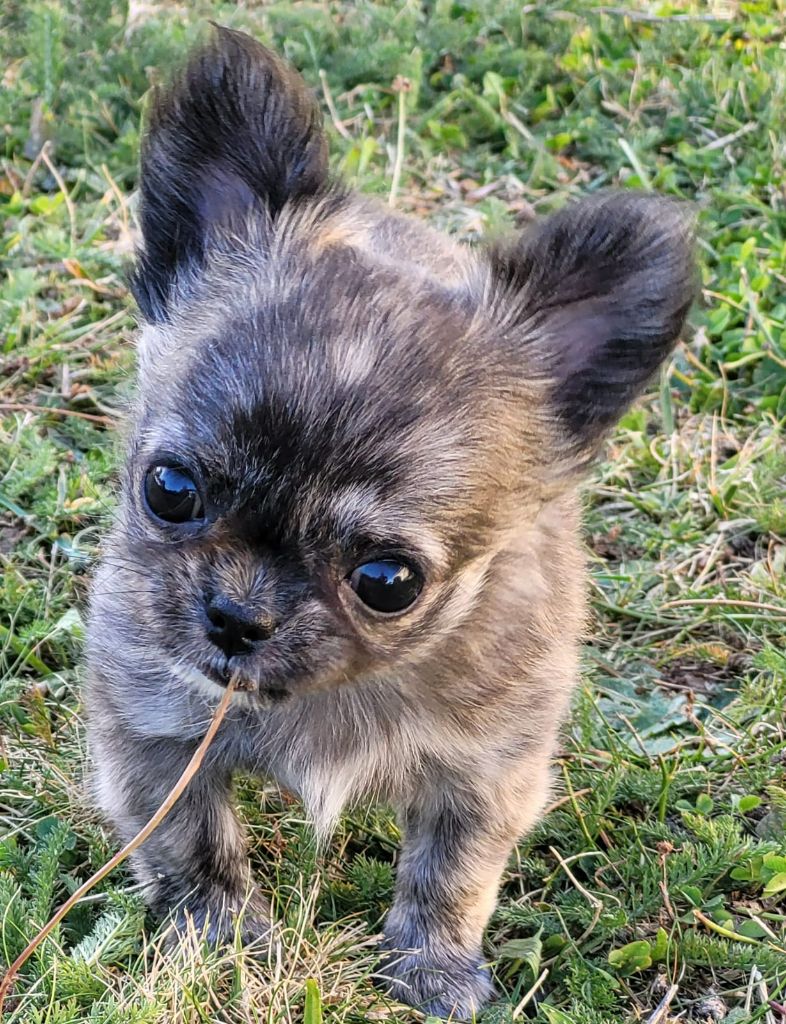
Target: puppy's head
[333,441]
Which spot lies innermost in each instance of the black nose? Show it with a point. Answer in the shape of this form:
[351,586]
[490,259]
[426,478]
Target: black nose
[232,628]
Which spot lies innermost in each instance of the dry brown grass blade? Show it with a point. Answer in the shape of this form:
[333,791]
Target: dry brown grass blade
[144,833]
[55,411]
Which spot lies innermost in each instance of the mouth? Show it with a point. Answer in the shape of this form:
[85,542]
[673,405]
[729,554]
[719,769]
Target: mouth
[220,675]
[275,694]
[221,671]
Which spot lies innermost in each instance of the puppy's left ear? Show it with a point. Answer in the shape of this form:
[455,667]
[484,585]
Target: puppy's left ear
[592,300]
[236,136]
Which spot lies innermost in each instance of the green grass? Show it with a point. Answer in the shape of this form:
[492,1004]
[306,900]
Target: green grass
[672,778]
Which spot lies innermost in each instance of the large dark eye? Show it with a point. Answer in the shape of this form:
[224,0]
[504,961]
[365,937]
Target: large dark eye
[172,494]
[386,586]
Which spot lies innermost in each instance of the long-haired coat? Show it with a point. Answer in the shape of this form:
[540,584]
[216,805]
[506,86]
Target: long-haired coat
[351,480]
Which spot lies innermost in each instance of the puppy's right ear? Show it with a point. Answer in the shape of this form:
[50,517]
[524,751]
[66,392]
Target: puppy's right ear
[593,300]
[238,132]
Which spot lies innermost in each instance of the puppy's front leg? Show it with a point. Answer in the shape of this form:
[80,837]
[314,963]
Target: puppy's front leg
[195,862]
[458,837]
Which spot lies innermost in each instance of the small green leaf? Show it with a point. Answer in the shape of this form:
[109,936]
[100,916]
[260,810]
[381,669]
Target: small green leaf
[493,85]
[774,862]
[693,895]
[704,804]
[635,956]
[554,944]
[747,248]
[776,884]
[752,930]
[529,950]
[748,872]
[555,1016]
[635,420]
[448,134]
[45,204]
[498,1013]
[368,148]
[660,946]
[70,622]
[558,142]
[748,803]
[718,320]
[312,1013]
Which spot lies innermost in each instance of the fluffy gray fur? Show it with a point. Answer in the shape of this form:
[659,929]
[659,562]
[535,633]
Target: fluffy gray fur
[345,384]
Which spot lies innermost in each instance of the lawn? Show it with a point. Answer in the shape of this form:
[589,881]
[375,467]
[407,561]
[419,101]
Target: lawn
[654,888]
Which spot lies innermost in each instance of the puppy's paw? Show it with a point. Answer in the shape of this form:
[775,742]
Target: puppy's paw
[440,983]
[221,921]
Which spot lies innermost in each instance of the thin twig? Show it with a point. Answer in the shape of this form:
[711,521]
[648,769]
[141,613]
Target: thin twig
[568,798]
[723,602]
[660,1011]
[144,833]
[590,927]
[107,421]
[764,998]
[28,182]
[635,163]
[725,140]
[338,124]
[62,186]
[402,86]
[727,933]
[593,901]
[626,12]
[527,997]
[667,900]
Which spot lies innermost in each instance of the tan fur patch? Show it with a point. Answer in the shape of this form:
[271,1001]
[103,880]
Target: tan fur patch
[337,232]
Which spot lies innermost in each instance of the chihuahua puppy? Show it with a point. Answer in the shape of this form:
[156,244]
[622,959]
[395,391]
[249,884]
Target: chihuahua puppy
[351,482]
